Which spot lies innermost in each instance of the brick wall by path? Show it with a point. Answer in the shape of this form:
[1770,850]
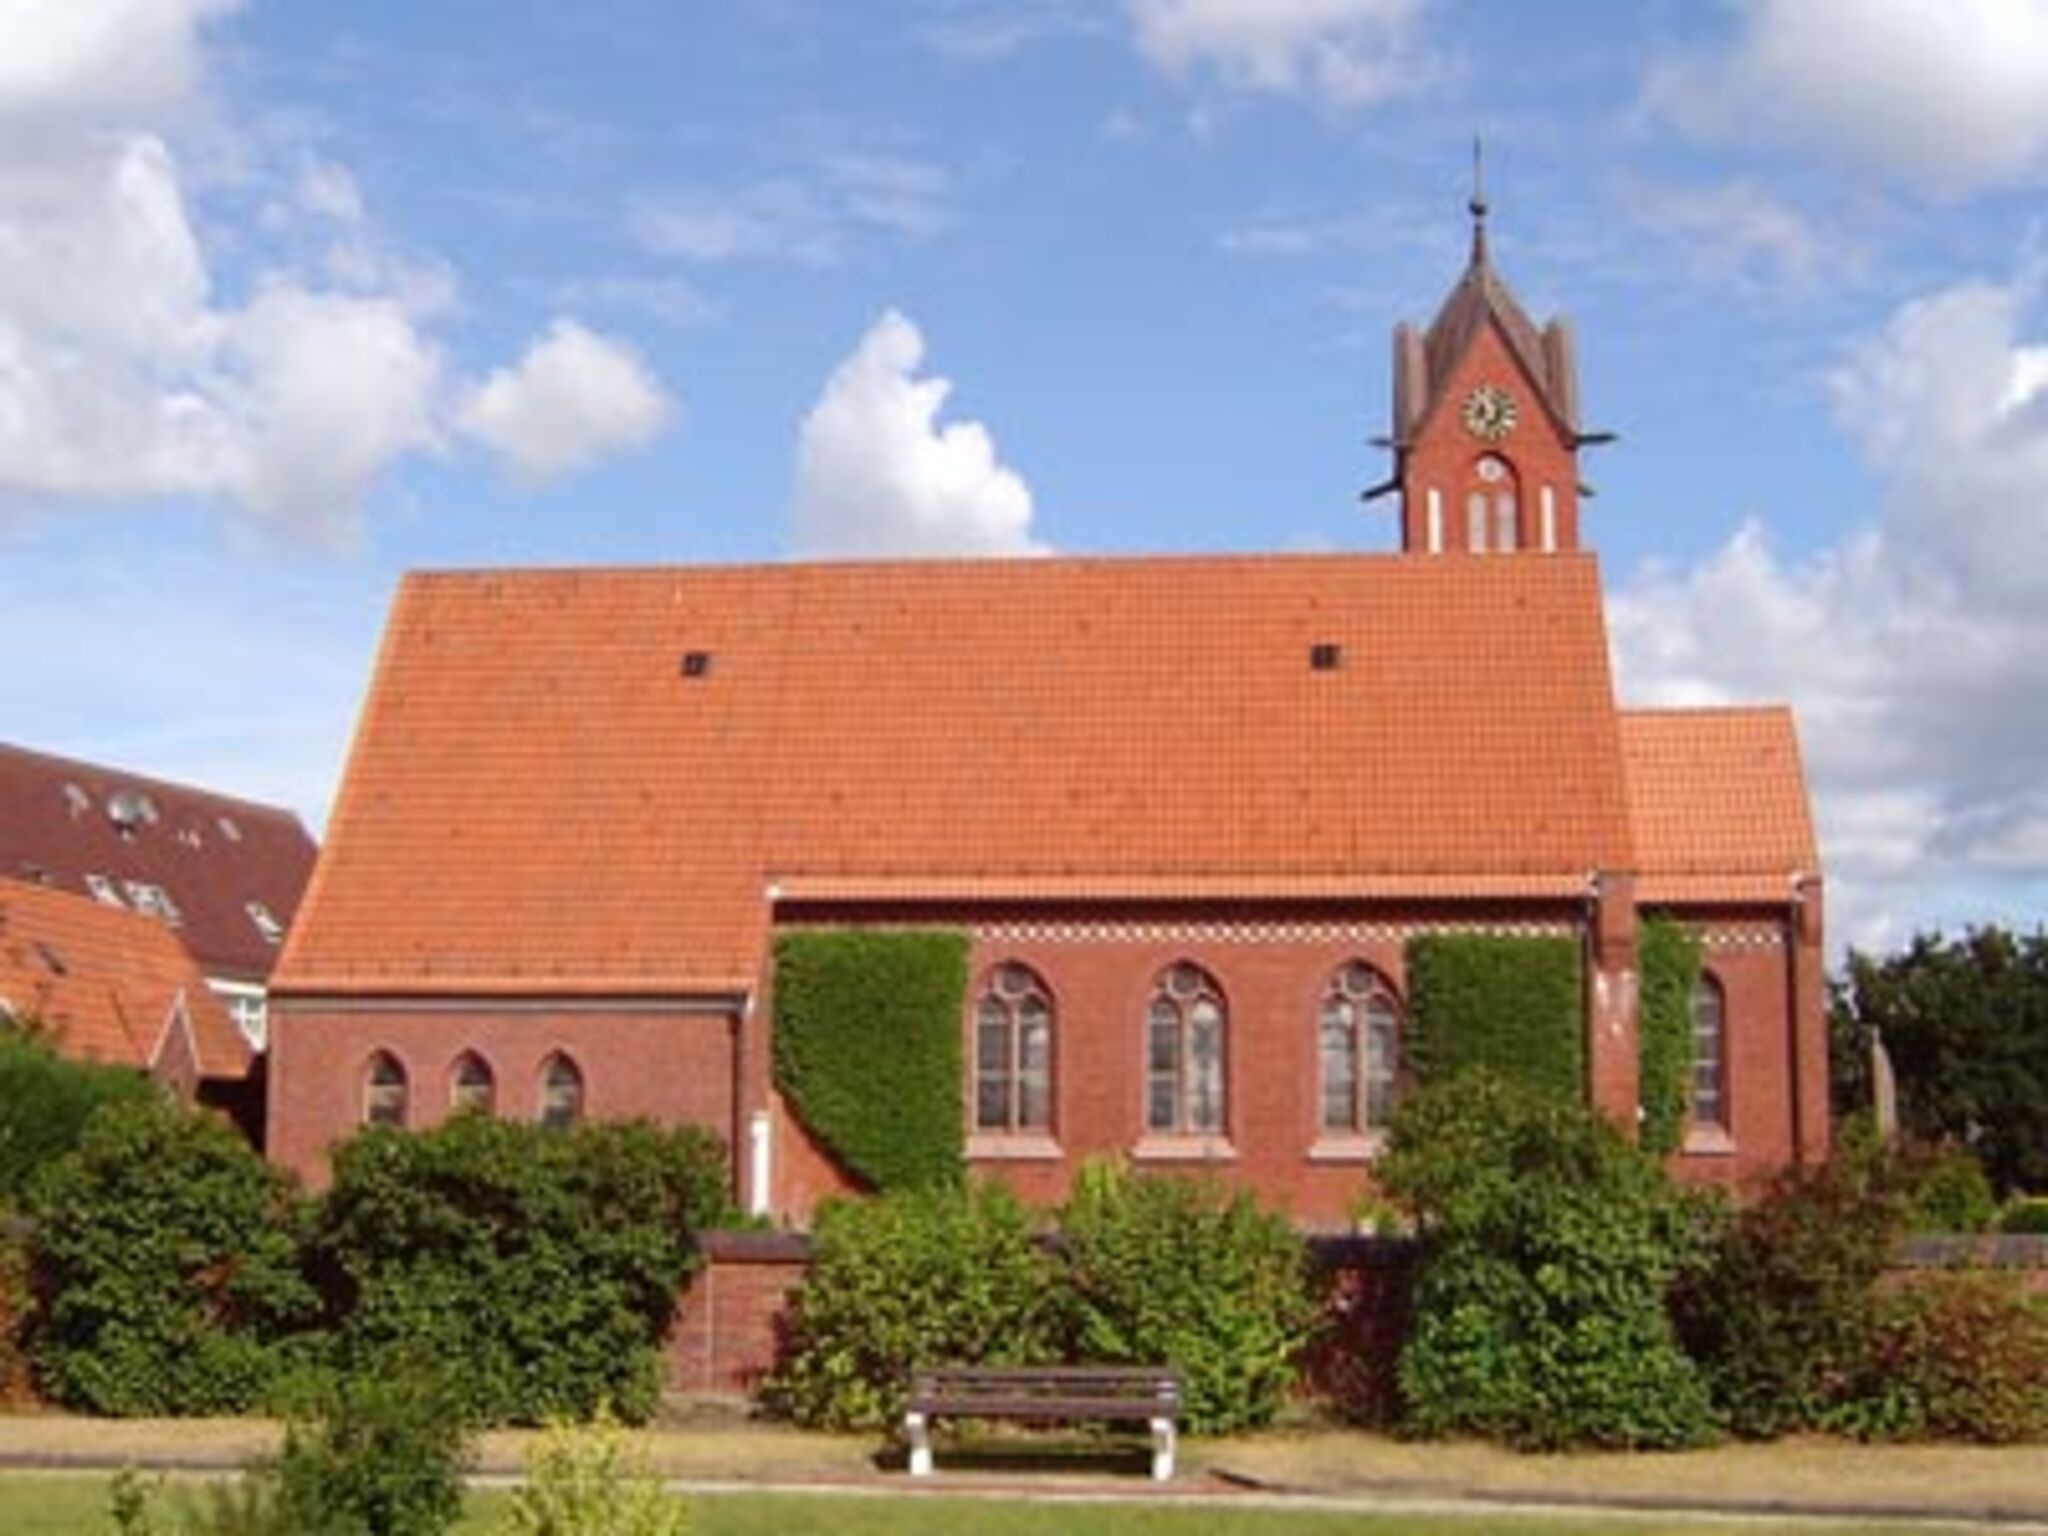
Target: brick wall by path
[726,1329]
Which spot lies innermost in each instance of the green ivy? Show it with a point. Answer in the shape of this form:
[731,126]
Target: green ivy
[867,1049]
[1512,1006]
[1669,956]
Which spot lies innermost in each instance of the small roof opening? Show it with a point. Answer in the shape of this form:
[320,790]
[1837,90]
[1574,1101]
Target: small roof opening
[1325,656]
[696,663]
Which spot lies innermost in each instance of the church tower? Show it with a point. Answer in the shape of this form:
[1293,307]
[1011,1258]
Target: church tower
[1486,432]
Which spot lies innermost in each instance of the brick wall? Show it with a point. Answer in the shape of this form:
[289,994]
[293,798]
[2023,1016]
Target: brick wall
[725,1334]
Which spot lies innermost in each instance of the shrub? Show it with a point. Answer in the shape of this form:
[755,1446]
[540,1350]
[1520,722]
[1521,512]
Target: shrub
[1952,1356]
[1946,1190]
[2025,1215]
[1548,1245]
[1510,1006]
[1781,1313]
[1669,957]
[867,1049]
[15,1299]
[925,1277]
[1176,1271]
[547,1262]
[583,1482]
[45,1102]
[385,1457]
[167,1262]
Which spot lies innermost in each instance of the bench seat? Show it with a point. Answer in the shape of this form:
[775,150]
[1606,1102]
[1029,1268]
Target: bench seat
[1045,1394]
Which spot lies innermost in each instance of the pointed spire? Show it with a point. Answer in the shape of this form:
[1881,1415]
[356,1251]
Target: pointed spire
[1478,203]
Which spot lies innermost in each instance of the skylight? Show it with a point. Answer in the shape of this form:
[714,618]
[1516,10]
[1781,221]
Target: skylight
[103,890]
[153,900]
[265,921]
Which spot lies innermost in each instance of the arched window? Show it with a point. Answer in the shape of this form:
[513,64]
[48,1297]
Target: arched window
[384,1091]
[561,1093]
[1184,1052]
[1709,1053]
[1358,1031]
[472,1086]
[1013,1052]
[1492,506]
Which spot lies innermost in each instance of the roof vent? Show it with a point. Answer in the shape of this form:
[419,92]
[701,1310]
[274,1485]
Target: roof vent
[696,663]
[1325,656]
[77,799]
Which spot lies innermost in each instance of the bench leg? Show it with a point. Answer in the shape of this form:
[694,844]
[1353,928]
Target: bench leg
[917,1430]
[1162,1450]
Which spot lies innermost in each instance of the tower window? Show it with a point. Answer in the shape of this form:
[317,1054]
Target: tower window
[1493,506]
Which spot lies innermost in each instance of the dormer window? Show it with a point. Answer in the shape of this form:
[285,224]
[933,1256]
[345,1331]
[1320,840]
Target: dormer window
[265,921]
[104,891]
[153,900]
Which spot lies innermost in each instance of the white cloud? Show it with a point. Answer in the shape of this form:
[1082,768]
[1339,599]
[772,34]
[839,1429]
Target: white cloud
[1736,233]
[126,374]
[575,397]
[812,219]
[110,64]
[878,474]
[1344,53]
[1949,95]
[1912,648]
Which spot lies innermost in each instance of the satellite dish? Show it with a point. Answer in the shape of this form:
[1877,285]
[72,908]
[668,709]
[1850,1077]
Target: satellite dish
[130,808]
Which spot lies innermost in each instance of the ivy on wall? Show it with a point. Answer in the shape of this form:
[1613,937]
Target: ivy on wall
[867,1048]
[1511,1005]
[1669,957]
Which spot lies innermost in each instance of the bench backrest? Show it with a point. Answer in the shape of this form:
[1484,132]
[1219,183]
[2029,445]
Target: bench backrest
[1156,1386]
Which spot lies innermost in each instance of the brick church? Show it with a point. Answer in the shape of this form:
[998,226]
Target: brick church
[1188,810]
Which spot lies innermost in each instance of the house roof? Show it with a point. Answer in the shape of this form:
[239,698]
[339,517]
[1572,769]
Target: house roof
[212,855]
[1718,801]
[107,982]
[539,798]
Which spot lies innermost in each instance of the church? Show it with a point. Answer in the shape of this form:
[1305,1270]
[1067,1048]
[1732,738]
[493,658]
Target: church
[1188,813]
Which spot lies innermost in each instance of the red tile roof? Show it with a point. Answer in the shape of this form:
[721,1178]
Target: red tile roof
[1719,804]
[211,854]
[107,982]
[537,797]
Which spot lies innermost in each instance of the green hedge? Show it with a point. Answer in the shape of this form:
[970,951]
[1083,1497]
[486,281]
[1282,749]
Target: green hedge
[541,1265]
[45,1101]
[867,1049]
[1513,1006]
[1669,956]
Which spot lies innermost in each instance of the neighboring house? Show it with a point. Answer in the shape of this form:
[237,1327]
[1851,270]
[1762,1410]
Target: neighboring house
[222,874]
[1188,810]
[116,987]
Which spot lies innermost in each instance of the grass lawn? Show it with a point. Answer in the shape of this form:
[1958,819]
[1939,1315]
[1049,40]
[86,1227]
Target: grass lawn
[36,1504]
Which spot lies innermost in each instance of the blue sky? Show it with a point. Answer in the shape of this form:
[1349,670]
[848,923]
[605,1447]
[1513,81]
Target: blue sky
[296,297]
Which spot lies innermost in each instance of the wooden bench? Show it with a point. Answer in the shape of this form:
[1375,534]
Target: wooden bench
[1150,1395]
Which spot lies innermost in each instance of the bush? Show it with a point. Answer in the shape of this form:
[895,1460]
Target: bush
[867,1049]
[1548,1245]
[15,1297]
[582,1482]
[1510,1006]
[1175,1271]
[167,1264]
[2025,1215]
[925,1277]
[1669,956]
[1781,1314]
[546,1262]
[45,1102]
[385,1457]
[1946,1190]
[1953,1357]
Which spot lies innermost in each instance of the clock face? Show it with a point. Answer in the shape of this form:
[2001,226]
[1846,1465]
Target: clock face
[1490,413]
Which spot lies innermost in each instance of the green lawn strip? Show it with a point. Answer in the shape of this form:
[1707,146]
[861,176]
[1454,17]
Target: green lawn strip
[36,1504]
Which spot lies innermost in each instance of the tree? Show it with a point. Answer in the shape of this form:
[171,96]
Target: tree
[1966,1024]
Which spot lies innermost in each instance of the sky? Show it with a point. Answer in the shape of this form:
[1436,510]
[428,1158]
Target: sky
[295,297]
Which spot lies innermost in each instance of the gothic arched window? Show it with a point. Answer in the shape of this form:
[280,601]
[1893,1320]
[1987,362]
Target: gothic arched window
[1013,1021]
[561,1092]
[1709,1098]
[1358,1030]
[384,1091]
[1185,1030]
[1492,506]
[472,1086]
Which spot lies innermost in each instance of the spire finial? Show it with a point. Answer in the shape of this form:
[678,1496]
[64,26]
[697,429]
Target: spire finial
[1478,203]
